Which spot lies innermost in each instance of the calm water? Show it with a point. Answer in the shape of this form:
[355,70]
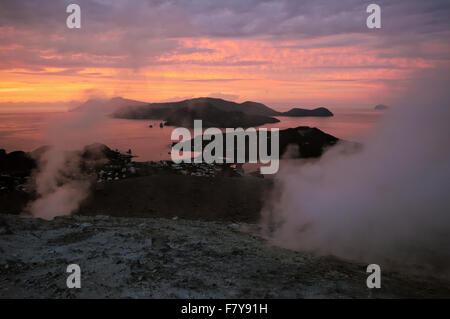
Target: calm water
[27,131]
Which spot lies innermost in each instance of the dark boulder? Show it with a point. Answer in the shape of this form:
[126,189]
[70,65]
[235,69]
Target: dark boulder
[17,162]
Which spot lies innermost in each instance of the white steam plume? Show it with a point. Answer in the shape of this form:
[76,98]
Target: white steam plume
[60,184]
[387,204]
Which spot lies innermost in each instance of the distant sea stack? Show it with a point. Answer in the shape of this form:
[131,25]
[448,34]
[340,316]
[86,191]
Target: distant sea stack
[381,107]
[318,112]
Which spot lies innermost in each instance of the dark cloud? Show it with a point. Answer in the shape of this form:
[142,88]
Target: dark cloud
[133,34]
[235,18]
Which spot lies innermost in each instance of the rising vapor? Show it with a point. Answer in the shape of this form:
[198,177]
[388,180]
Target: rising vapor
[61,186]
[387,204]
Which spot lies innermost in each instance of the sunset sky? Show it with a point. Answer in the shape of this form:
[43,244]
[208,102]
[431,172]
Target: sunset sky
[282,53]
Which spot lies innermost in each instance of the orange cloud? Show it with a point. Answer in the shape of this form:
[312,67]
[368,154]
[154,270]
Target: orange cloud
[278,72]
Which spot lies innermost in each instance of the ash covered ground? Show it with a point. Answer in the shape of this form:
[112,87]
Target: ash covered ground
[163,230]
[177,258]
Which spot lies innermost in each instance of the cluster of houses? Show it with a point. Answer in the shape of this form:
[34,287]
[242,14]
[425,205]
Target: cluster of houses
[117,170]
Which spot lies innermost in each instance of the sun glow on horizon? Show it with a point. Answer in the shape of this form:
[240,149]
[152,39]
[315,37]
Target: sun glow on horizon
[179,58]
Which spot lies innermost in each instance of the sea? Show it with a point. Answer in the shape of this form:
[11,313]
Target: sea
[28,131]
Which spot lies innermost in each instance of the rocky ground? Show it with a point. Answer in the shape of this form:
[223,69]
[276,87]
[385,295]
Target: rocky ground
[177,258]
[166,230]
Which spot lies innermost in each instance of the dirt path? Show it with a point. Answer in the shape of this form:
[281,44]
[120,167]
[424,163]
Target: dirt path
[164,258]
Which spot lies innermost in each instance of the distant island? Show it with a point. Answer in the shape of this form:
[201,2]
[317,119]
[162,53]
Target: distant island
[319,112]
[107,105]
[213,112]
[381,107]
[310,141]
[214,117]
